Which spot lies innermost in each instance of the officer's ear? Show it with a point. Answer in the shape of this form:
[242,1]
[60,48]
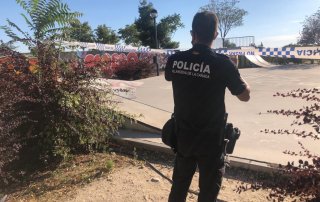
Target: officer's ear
[215,35]
[194,38]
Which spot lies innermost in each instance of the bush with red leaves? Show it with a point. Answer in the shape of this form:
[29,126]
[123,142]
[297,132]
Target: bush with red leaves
[303,179]
[134,70]
[50,113]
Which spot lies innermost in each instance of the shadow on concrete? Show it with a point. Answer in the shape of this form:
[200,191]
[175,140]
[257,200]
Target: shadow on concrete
[293,67]
[137,134]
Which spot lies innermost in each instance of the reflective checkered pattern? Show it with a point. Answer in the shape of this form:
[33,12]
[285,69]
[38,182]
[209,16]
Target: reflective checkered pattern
[221,51]
[100,46]
[120,48]
[286,52]
[83,44]
[170,52]
[143,49]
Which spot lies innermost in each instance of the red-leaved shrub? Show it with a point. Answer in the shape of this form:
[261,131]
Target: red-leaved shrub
[135,70]
[50,113]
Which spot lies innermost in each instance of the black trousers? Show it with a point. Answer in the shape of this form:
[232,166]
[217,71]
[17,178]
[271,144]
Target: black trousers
[211,170]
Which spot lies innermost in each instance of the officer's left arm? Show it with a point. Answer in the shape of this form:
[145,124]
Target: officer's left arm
[235,83]
[168,70]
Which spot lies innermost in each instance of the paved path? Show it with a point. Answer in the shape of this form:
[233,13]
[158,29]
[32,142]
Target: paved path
[154,101]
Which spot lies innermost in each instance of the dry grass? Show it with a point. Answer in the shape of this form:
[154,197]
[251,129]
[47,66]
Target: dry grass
[70,174]
[87,176]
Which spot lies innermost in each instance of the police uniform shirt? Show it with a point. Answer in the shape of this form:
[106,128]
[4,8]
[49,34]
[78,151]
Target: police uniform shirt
[199,79]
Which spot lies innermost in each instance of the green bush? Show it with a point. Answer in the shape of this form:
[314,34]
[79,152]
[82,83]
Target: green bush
[282,61]
[243,62]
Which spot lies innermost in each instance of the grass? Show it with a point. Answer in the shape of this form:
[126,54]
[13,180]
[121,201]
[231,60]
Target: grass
[77,171]
[57,182]
[74,172]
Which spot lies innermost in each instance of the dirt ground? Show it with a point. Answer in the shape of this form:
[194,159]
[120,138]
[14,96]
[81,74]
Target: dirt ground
[140,183]
[119,178]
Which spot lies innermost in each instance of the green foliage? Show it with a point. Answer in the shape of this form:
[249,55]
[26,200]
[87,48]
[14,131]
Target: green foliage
[56,110]
[9,45]
[243,62]
[109,164]
[80,32]
[166,27]
[145,24]
[83,32]
[230,16]
[106,35]
[228,44]
[310,34]
[260,46]
[144,31]
[130,35]
[135,153]
[282,61]
[45,18]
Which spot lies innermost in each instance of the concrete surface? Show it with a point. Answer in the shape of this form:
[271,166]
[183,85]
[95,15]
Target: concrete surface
[146,141]
[154,101]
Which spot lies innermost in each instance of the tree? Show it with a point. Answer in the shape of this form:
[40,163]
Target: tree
[228,44]
[230,16]
[311,30]
[106,35]
[145,25]
[80,32]
[10,45]
[291,45]
[166,27]
[146,31]
[46,19]
[130,35]
[261,45]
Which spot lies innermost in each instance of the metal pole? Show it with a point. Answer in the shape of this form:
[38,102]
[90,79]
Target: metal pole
[155,61]
[156,32]
[157,45]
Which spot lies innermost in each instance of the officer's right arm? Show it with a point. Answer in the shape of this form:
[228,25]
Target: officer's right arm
[168,70]
[245,95]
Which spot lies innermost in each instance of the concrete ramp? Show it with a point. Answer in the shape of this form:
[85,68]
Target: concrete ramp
[258,61]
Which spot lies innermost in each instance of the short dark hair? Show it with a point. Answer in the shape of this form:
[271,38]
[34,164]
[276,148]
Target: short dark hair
[204,25]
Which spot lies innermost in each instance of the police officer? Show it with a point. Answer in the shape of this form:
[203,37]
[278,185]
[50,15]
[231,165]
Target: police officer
[199,79]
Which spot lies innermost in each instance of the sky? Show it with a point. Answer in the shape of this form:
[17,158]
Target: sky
[275,23]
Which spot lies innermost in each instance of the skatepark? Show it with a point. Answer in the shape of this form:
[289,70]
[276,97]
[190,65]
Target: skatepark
[151,100]
[154,102]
